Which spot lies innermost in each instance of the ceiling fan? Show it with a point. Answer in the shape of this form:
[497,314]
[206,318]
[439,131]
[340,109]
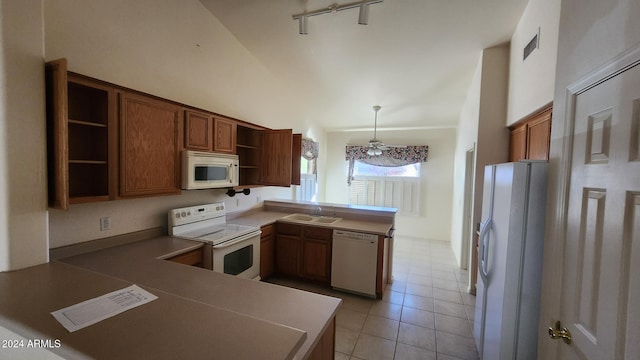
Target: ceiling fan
[376,146]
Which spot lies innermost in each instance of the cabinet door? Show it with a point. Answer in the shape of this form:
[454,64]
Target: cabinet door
[518,143]
[276,157]
[57,133]
[316,259]
[296,155]
[150,140]
[288,255]
[538,136]
[267,252]
[198,131]
[225,135]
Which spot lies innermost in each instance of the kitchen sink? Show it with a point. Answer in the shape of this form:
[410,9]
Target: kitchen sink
[311,218]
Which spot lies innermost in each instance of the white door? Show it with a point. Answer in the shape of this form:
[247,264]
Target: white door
[599,300]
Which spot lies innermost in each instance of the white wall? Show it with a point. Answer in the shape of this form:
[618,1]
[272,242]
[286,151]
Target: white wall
[531,82]
[482,118]
[23,194]
[591,34]
[467,138]
[436,190]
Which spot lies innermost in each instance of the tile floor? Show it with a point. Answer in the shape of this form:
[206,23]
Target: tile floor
[425,314]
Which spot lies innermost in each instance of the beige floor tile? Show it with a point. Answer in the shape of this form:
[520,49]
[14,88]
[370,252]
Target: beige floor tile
[394,297]
[419,279]
[449,308]
[386,309]
[447,295]
[408,352]
[445,284]
[420,290]
[350,319]
[417,336]
[418,302]
[346,340]
[381,327]
[455,345]
[374,348]
[418,317]
[341,356]
[453,325]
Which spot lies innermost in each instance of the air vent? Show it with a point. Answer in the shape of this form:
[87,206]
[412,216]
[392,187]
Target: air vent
[531,46]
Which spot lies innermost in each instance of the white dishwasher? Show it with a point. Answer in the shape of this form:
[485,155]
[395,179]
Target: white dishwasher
[354,262]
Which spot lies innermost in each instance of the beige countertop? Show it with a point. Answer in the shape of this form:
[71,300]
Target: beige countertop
[261,216]
[198,314]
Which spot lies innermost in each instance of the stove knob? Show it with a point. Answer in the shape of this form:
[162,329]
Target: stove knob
[188,213]
[177,215]
[184,214]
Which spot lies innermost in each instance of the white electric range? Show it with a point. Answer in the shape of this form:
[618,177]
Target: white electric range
[229,248]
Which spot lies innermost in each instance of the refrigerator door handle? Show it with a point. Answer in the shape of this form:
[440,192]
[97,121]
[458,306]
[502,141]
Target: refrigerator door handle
[483,241]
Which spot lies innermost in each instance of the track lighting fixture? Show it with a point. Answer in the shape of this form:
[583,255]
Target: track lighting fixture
[363,16]
[303,25]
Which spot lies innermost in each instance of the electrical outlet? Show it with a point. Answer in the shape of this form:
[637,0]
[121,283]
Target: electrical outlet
[105,223]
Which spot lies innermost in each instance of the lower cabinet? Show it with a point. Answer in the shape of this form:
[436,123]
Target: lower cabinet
[303,251]
[267,252]
[192,258]
[288,249]
[326,347]
[316,253]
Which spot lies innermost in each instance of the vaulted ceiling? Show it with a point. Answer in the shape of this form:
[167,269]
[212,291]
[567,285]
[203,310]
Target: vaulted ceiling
[415,58]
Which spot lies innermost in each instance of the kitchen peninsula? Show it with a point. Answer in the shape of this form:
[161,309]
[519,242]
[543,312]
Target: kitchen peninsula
[199,313]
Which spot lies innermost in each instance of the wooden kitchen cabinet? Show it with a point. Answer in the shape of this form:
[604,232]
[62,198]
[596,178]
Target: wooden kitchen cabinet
[316,253]
[296,158]
[265,156]
[150,143]
[198,130]
[191,258]
[267,251]
[224,131]
[81,137]
[288,249]
[529,138]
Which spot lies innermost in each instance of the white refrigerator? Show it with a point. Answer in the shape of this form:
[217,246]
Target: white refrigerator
[510,260]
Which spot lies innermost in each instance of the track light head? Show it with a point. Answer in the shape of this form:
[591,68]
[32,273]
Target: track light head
[363,17]
[302,23]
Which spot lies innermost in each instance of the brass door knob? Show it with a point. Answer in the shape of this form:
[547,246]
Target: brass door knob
[559,332]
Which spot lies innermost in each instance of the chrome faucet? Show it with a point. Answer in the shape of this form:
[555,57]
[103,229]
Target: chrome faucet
[318,211]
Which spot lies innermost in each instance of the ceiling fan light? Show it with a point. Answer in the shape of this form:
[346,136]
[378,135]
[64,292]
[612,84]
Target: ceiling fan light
[371,152]
[378,152]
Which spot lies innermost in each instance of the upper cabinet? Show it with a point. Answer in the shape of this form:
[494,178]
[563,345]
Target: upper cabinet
[207,132]
[150,143]
[224,131]
[106,142]
[198,130]
[266,156]
[530,137]
[81,137]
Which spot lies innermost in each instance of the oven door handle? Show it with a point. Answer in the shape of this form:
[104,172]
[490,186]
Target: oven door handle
[237,240]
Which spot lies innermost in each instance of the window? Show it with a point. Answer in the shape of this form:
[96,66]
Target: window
[308,186]
[397,187]
[362,169]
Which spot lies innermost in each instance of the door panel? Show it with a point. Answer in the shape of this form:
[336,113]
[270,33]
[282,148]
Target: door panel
[601,293]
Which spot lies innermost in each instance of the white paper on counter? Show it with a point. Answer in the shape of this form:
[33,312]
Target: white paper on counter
[81,315]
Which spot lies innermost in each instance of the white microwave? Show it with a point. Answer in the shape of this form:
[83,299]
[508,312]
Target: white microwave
[202,170]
